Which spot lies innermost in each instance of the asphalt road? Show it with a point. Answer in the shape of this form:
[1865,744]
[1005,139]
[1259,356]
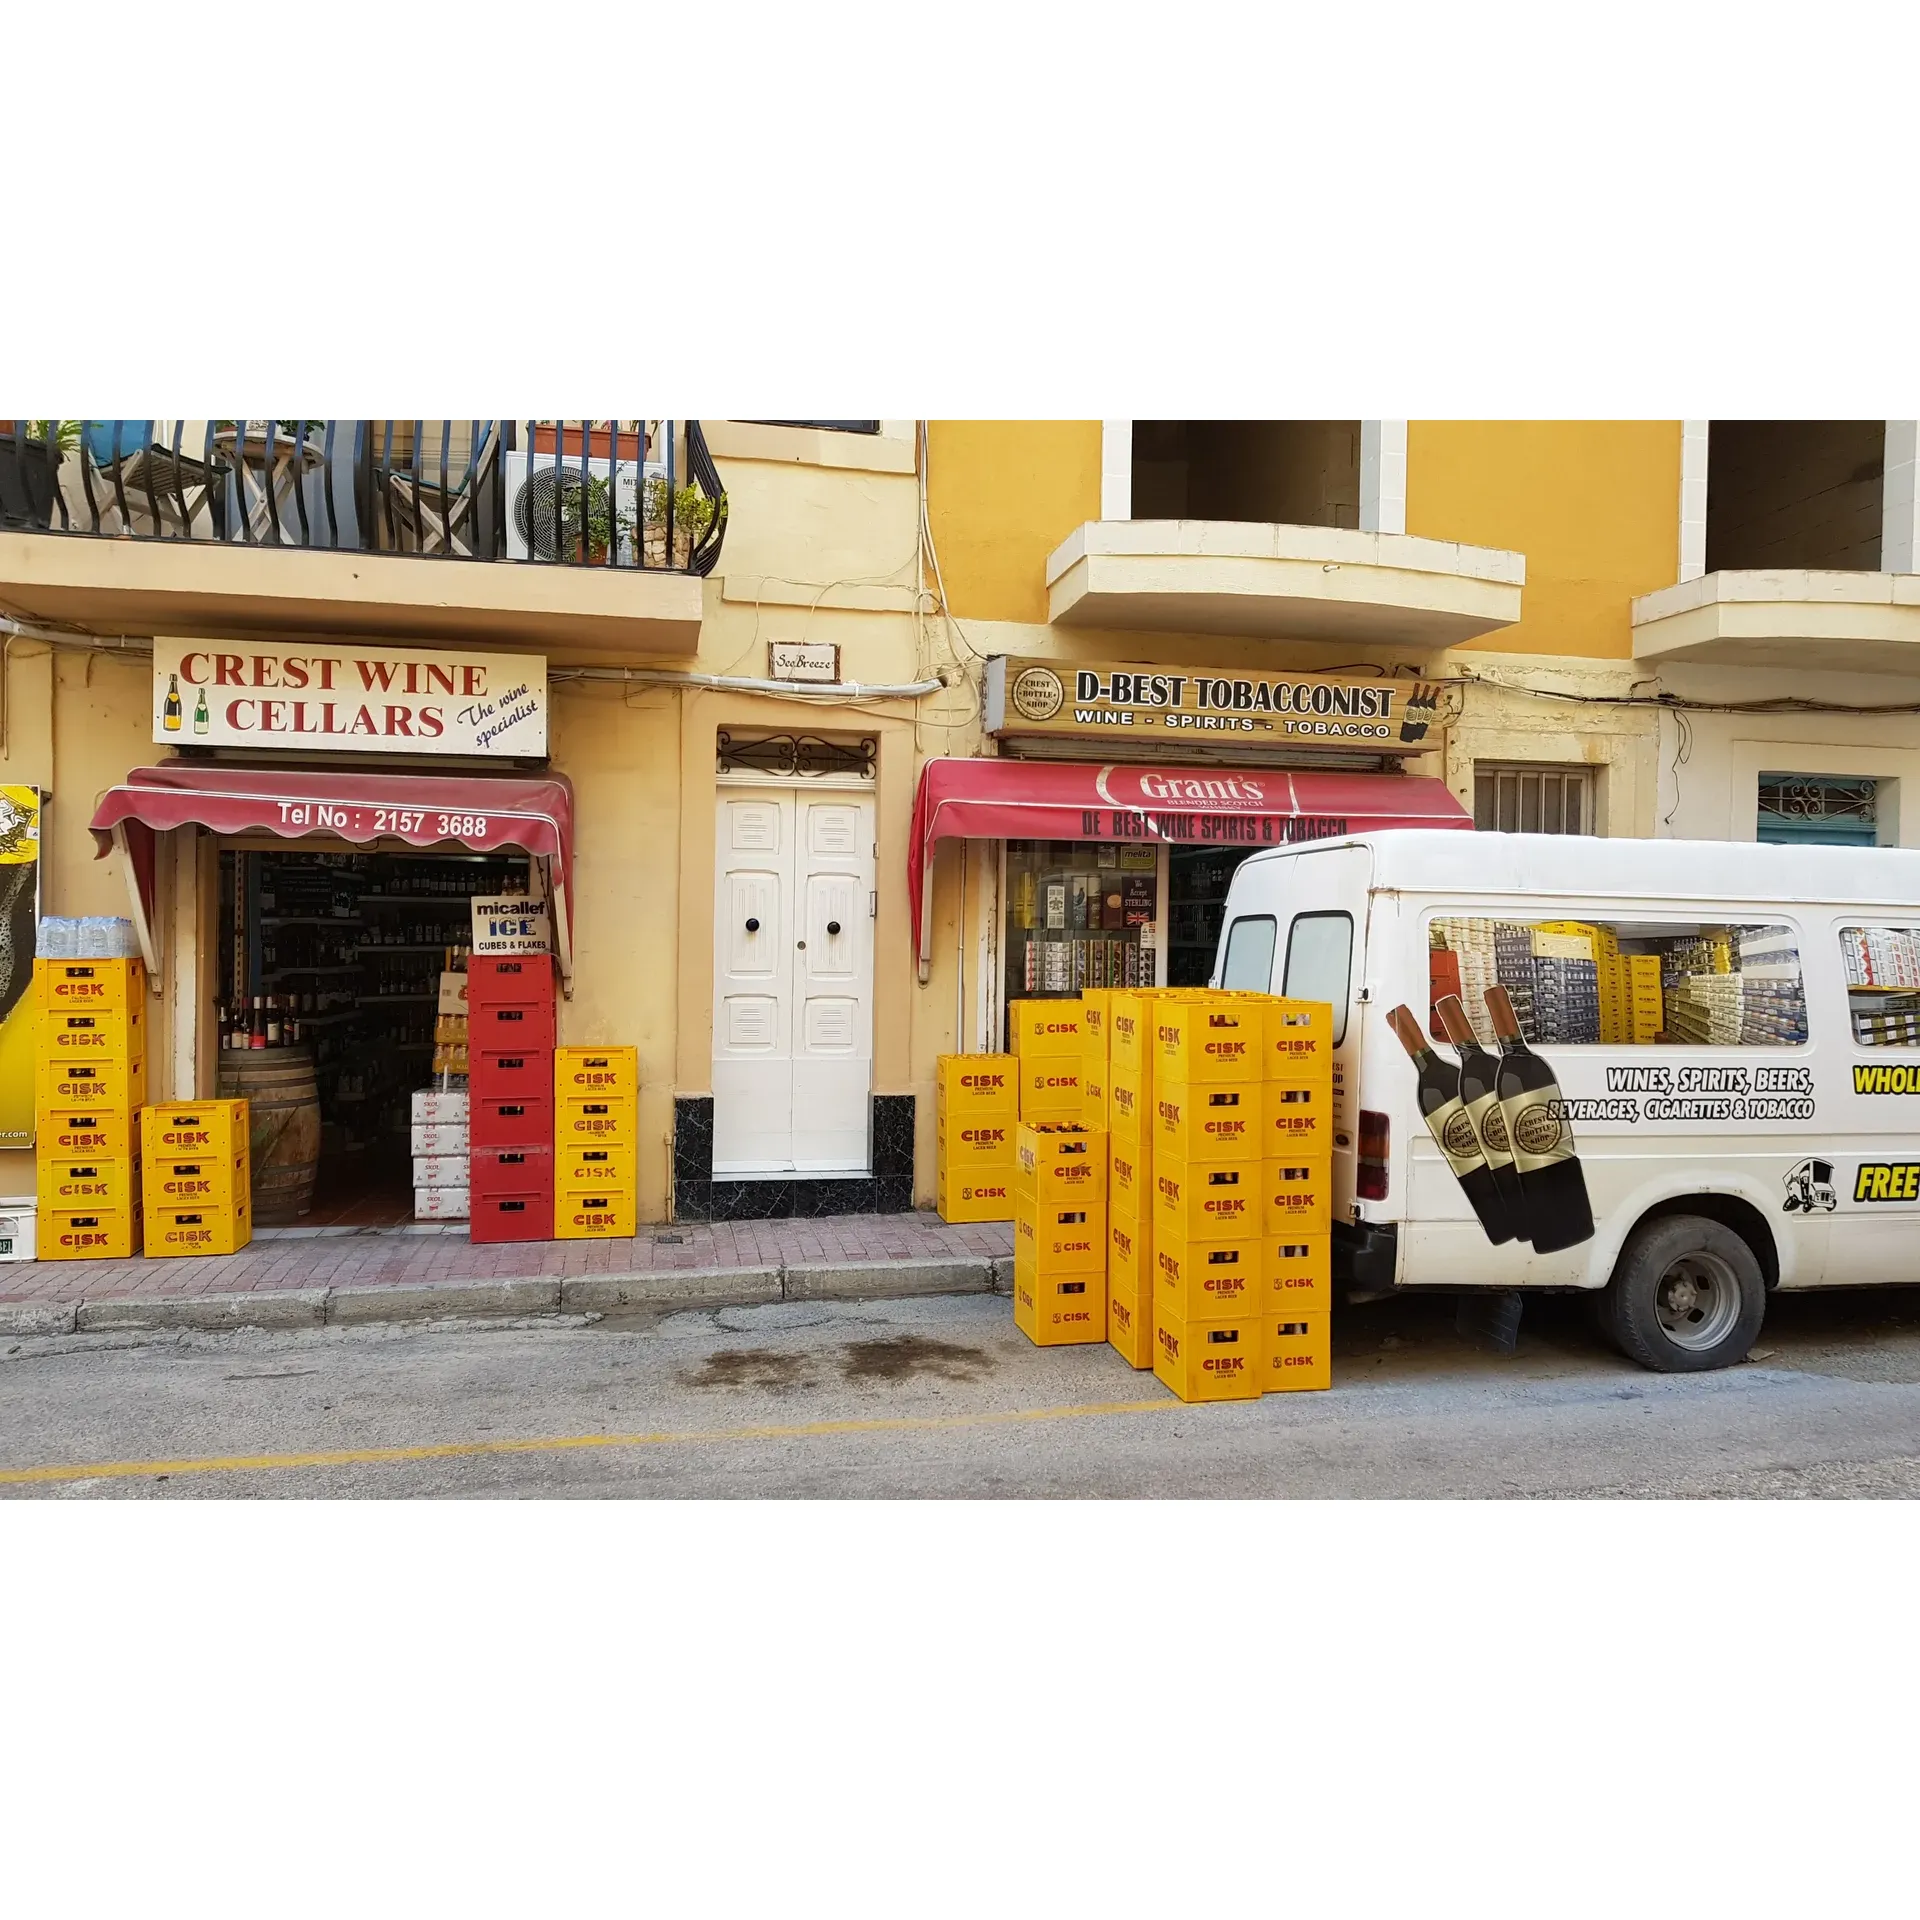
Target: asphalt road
[943,1398]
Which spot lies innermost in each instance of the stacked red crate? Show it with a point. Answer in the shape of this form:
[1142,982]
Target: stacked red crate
[510,1040]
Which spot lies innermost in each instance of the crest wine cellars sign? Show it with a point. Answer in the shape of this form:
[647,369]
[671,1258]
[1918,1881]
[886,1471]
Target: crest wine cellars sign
[1094,701]
[348,699]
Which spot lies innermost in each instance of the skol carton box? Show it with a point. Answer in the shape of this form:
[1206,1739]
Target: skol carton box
[1298,1351]
[1208,1359]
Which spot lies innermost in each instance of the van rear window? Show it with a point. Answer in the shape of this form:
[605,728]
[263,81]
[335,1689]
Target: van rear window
[1623,983]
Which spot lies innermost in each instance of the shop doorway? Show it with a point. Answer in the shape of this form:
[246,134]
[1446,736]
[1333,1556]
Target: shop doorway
[334,957]
[1197,882]
[794,902]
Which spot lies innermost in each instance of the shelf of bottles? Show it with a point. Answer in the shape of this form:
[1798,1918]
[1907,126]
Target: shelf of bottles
[1197,882]
[1079,914]
[341,953]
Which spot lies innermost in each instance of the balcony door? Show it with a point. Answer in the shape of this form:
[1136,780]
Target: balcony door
[793,981]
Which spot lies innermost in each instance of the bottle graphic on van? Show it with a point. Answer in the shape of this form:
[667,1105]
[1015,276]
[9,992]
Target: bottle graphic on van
[1452,1127]
[1479,1094]
[1553,1187]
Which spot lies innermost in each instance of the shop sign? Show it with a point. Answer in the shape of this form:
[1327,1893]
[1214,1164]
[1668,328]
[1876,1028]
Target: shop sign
[816,661]
[1184,706]
[348,699]
[512,923]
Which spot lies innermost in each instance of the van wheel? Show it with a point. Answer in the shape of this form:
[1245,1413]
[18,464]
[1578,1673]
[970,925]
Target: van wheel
[1687,1296]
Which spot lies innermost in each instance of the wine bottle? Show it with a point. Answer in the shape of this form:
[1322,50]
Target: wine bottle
[201,718]
[1553,1186]
[257,1038]
[170,711]
[1446,1116]
[274,1031]
[1479,1094]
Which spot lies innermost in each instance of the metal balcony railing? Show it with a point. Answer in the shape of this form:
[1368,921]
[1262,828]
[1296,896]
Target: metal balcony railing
[639,494]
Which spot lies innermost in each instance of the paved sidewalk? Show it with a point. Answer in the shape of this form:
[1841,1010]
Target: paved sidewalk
[416,1258]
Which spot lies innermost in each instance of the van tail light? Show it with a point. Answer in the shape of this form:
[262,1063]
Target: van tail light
[1370,1182]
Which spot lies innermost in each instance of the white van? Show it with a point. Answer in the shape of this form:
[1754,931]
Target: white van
[1715,1089]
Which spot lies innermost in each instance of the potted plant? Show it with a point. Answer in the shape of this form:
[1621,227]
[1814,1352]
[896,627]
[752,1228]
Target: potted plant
[30,456]
[591,526]
[692,515]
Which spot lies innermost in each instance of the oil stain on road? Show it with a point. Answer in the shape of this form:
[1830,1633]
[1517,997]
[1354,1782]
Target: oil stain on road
[756,1369]
[908,1354]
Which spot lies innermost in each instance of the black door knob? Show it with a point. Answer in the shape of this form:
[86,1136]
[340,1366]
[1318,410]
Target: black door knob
[753,926]
[833,926]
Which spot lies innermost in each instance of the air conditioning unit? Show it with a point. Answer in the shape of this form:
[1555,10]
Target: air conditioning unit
[533,482]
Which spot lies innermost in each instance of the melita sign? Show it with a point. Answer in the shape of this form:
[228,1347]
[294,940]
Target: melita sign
[348,699]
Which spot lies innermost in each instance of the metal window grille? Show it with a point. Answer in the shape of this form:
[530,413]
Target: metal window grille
[1523,799]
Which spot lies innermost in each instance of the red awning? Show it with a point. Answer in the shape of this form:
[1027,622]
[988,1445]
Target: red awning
[421,809]
[1185,806]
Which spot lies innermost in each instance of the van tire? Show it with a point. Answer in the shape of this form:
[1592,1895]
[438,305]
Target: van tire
[1686,1297]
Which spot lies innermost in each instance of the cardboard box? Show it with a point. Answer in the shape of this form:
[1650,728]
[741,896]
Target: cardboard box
[1207,1359]
[429,1103]
[440,1169]
[209,1181]
[1130,1324]
[1297,1272]
[1061,1163]
[583,1073]
[977,1085]
[1208,1279]
[1298,1352]
[111,1132]
[1214,1041]
[430,1138]
[88,983]
[1056,1239]
[1208,1123]
[88,1233]
[1297,1040]
[440,1203]
[195,1129]
[86,1181]
[1061,1310]
[172,1233]
[1045,1029]
[1208,1201]
[1297,1196]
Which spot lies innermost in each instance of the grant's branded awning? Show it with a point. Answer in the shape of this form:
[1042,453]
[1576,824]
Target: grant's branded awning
[417,809]
[1184,806]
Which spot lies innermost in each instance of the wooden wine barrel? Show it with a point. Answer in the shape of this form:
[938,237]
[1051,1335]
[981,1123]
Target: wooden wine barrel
[284,1127]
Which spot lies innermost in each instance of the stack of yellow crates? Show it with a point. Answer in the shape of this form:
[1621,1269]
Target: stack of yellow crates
[1296,1165]
[90,1080]
[1046,1051]
[1126,1020]
[1645,1012]
[1060,1234]
[977,1110]
[199,1177]
[596,1137]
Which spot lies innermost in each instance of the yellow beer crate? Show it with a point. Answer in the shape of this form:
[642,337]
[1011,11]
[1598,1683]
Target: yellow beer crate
[1208,1122]
[1204,1200]
[175,1232]
[1215,1041]
[976,1085]
[597,1169]
[1129,1253]
[1207,1359]
[1045,1029]
[1297,1195]
[88,1233]
[986,1194]
[590,1073]
[602,1121]
[1061,1309]
[1130,1323]
[1050,1087]
[1296,1116]
[1060,1162]
[1208,1279]
[970,1140]
[111,1133]
[66,1181]
[1129,1032]
[176,1180]
[194,1129]
[1297,1040]
[1298,1351]
[1129,1106]
[1096,1024]
[72,985]
[89,1083]
[1059,1238]
[1297,1271]
[1129,1182]
[612,1215]
[1093,1094]
[92,1033]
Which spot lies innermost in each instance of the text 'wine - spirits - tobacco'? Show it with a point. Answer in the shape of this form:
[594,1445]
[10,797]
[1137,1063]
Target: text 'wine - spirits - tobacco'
[1553,1186]
[1447,1120]
[1480,1095]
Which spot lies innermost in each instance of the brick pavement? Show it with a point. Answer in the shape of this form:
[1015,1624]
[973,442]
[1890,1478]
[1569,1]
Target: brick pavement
[384,1259]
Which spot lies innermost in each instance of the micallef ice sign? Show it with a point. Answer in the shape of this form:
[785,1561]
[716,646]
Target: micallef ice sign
[334,698]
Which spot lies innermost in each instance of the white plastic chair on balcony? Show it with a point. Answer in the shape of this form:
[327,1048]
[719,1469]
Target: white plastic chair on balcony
[427,518]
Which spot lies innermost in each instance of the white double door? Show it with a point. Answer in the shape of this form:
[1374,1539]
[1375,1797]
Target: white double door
[793,981]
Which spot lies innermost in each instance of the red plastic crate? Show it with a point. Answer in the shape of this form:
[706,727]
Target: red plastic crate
[492,1170]
[526,980]
[505,1073]
[510,1120]
[525,1215]
[511,1023]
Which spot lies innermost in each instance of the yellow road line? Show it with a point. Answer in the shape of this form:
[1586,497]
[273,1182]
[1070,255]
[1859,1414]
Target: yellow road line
[565,1443]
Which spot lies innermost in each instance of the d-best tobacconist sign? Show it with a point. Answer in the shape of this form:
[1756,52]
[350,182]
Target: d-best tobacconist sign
[1300,709]
[343,699]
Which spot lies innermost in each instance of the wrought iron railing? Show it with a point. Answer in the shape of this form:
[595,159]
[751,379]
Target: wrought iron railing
[641,494]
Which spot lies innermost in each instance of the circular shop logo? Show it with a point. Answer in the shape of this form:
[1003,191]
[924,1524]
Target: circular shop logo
[1458,1138]
[1037,694]
[1538,1130]
[1493,1125]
